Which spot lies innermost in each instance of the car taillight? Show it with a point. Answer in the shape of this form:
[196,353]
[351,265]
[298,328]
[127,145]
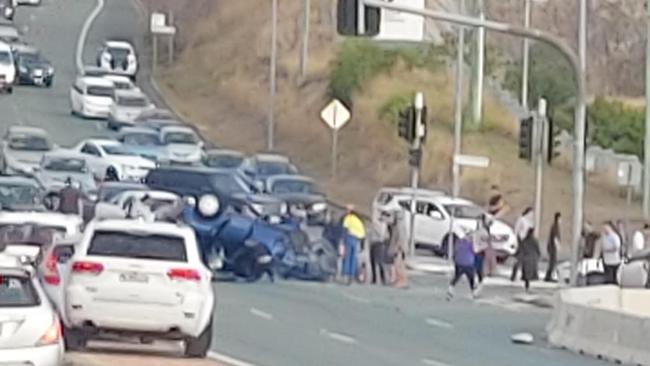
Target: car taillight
[87,267]
[51,275]
[184,274]
[52,335]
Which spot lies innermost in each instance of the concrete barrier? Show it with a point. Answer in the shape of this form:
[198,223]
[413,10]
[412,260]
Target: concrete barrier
[605,321]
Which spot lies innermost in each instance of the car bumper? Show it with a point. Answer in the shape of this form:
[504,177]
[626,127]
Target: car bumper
[51,355]
[36,80]
[134,175]
[189,318]
[505,249]
[94,111]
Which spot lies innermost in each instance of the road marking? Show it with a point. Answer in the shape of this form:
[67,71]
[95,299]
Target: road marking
[220,357]
[343,338]
[356,298]
[81,42]
[439,323]
[261,314]
[430,362]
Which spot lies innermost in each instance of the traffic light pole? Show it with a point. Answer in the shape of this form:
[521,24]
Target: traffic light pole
[540,138]
[415,168]
[580,110]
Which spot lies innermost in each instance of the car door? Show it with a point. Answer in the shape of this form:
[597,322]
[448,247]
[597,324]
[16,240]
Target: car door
[76,93]
[434,223]
[93,158]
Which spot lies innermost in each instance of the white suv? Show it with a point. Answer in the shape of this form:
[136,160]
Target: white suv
[134,278]
[7,68]
[388,199]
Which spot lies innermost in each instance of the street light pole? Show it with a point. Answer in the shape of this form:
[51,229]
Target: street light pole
[304,47]
[525,56]
[270,142]
[580,110]
[646,145]
[539,137]
[458,105]
[415,170]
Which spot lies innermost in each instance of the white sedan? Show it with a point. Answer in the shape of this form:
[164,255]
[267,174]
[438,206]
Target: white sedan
[31,330]
[110,161]
[181,145]
[127,106]
[91,97]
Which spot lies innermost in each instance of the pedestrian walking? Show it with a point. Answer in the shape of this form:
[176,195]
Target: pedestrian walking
[396,251]
[523,224]
[497,205]
[611,252]
[639,239]
[590,238]
[378,238]
[464,262]
[530,255]
[70,199]
[552,246]
[481,241]
[355,232]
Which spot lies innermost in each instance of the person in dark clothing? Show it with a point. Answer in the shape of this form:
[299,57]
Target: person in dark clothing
[378,247]
[464,260]
[590,238]
[70,199]
[552,246]
[333,232]
[530,254]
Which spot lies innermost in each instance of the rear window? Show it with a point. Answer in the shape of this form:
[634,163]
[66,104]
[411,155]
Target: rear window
[17,291]
[132,101]
[135,245]
[100,91]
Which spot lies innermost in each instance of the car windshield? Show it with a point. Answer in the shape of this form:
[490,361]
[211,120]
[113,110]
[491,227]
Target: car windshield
[224,161]
[115,150]
[137,102]
[141,139]
[180,138]
[73,165]
[29,143]
[5,58]
[229,184]
[18,194]
[465,211]
[100,91]
[138,245]
[119,52]
[17,291]
[31,57]
[292,186]
[268,168]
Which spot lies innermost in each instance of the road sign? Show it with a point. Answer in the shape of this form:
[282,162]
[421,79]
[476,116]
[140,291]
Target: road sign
[159,24]
[335,115]
[472,161]
[401,26]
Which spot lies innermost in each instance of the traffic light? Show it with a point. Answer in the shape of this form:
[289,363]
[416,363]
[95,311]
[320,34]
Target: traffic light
[526,138]
[347,20]
[554,142]
[406,124]
[415,157]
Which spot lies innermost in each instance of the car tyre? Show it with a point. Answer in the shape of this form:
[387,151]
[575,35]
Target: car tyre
[75,339]
[198,347]
[111,175]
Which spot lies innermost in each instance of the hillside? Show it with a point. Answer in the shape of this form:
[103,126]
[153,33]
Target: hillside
[221,83]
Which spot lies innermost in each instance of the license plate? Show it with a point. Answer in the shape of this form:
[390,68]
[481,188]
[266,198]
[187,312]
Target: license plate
[134,277]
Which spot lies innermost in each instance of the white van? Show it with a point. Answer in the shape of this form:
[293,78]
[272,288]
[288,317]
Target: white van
[7,68]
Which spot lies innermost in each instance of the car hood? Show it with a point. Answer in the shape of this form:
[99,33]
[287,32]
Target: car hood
[25,157]
[56,180]
[137,161]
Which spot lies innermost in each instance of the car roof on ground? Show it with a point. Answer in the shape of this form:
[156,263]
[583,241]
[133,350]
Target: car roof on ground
[118,44]
[26,130]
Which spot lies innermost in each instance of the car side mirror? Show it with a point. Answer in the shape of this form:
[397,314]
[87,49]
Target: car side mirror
[436,215]
[63,253]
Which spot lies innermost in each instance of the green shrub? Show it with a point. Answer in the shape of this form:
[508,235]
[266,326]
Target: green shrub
[389,111]
[614,125]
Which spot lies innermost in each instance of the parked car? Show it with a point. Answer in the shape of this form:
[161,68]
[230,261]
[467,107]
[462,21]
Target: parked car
[223,158]
[261,166]
[109,160]
[301,196]
[127,105]
[56,167]
[152,280]
[142,141]
[8,9]
[33,67]
[30,326]
[7,68]
[161,114]
[181,145]
[119,57]
[91,97]
[23,148]
[121,82]
[388,199]
[10,35]
[21,194]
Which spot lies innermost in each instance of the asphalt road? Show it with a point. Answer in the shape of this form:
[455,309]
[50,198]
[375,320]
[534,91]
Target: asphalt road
[294,323]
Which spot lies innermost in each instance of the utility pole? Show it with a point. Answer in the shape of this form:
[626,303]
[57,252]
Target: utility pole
[270,142]
[525,56]
[304,49]
[646,145]
[477,90]
[458,104]
[540,139]
[416,145]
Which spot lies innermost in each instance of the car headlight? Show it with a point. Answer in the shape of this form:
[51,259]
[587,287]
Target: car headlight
[319,206]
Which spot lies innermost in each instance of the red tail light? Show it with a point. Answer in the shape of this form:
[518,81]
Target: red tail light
[51,276]
[87,267]
[184,274]
[52,335]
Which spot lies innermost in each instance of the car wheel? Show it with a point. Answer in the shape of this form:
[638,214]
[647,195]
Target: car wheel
[198,347]
[75,339]
[49,83]
[111,175]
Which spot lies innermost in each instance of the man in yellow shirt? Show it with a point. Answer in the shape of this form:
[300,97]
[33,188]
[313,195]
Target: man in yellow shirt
[355,232]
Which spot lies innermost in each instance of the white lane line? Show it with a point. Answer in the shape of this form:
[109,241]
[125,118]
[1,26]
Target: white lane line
[356,298]
[439,323]
[430,362]
[261,314]
[343,338]
[81,42]
[231,361]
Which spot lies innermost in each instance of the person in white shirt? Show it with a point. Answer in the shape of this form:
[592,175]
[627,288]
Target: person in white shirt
[638,240]
[524,223]
[611,245]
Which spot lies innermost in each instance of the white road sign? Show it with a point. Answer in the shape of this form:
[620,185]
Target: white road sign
[472,161]
[399,26]
[159,24]
[335,115]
